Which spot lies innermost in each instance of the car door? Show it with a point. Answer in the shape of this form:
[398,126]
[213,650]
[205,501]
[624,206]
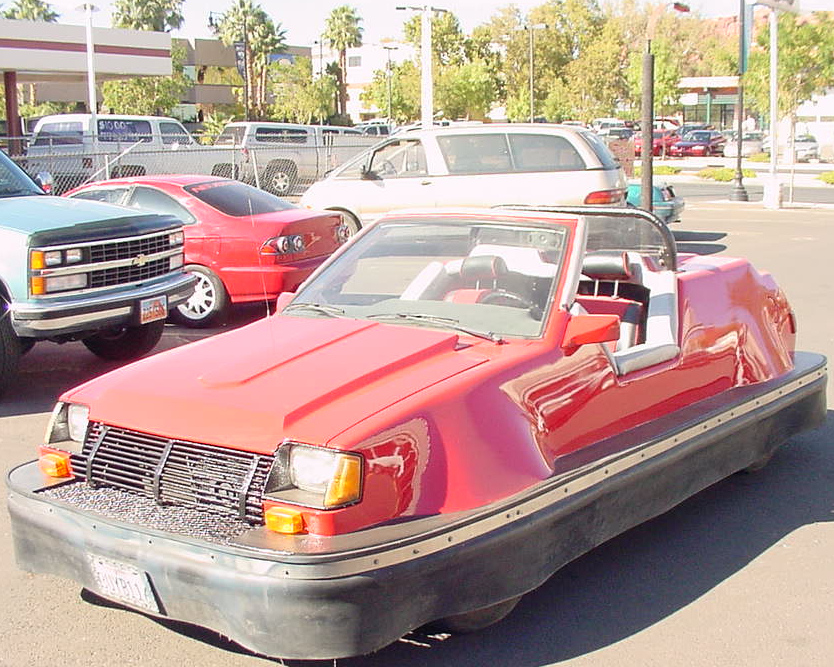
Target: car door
[395,176]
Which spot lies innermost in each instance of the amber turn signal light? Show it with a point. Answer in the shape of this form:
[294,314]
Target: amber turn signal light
[284,520]
[55,464]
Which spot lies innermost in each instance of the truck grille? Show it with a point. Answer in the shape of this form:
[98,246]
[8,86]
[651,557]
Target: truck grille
[125,249]
[173,472]
[120,275]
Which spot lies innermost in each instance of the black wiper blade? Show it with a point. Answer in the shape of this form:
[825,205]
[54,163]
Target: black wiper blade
[448,322]
[324,309]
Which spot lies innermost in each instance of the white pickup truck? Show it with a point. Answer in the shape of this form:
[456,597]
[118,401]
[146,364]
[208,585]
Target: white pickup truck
[274,156]
[285,155]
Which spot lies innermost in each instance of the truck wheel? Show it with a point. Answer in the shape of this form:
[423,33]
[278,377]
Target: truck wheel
[225,171]
[280,178]
[10,351]
[207,305]
[472,621]
[125,343]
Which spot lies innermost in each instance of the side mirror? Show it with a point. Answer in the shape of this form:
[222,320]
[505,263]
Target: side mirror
[45,181]
[584,329]
[283,300]
[369,174]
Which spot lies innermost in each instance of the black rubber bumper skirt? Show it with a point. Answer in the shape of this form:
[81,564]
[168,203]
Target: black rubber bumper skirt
[350,595]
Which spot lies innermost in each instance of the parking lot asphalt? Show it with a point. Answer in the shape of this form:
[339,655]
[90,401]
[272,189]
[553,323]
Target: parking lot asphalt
[739,575]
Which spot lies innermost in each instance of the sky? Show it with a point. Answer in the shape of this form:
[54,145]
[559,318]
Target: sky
[304,19]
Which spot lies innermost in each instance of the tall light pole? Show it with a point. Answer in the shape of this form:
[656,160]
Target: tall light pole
[647,109]
[388,72]
[773,188]
[426,82]
[91,69]
[739,193]
[530,28]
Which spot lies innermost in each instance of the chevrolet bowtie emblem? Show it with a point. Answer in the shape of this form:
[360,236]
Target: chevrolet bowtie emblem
[140,260]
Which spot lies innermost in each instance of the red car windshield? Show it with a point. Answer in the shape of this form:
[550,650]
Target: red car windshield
[489,277]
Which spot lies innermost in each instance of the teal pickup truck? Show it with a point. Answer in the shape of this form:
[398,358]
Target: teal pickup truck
[82,270]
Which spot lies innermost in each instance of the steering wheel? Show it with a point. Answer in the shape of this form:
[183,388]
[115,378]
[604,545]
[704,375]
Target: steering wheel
[387,168]
[501,297]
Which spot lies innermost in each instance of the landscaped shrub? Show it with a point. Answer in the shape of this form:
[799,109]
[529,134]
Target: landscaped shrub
[724,174]
[660,170]
[827,177]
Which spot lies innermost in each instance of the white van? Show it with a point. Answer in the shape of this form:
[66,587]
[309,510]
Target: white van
[68,147]
[481,165]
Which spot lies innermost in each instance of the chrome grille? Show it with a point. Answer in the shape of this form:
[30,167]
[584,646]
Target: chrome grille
[119,275]
[173,472]
[125,249]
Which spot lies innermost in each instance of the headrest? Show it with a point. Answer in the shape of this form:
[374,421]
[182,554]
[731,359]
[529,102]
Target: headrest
[606,265]
[483,267]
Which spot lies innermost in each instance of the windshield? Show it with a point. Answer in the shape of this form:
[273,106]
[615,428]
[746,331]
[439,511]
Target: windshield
[491,279]
[13,180]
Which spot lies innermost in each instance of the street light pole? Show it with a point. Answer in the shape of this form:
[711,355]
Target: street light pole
[530,28]
[739,193]
[426,81]
[388,50]
[91,70]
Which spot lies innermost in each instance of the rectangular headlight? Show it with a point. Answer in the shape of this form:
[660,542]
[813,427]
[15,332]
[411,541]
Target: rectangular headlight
[63,283]
[315,477]
[67,427]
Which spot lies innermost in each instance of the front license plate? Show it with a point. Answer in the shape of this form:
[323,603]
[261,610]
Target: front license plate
[155,308]
[123,582]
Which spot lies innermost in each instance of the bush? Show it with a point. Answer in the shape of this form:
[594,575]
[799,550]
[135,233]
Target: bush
[724,174]
[760,157]
[827,177]
[660,170]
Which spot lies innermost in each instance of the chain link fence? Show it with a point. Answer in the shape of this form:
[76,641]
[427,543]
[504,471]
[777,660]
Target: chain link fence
[286,168]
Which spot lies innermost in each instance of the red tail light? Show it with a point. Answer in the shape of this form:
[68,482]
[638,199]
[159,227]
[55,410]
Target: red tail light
[606,197]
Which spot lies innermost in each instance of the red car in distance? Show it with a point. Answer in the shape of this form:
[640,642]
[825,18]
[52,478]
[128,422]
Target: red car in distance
[662,141]
[242,243]
[699,143]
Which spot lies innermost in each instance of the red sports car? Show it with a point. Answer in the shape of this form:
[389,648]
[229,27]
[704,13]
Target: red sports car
[662,140]
[243,244]
[455,405]
[699,143]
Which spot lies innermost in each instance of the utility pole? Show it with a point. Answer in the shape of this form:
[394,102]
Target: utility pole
[427,12]
[388,50]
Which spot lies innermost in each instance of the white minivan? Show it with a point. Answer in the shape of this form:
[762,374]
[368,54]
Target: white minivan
[483,165]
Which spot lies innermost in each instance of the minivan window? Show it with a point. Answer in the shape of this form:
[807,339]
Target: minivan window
[59,134]
[544,152]
[475,153]
[604,155]
[281,135]
[124,130]
[399,159]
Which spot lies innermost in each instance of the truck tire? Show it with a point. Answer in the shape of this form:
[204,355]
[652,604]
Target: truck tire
[225,170]
[125,343]
[10,349]
[127,170]
[473,621]
[207,305]
[280,178]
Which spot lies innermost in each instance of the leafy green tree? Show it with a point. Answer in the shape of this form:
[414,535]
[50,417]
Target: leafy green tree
[31,10]
[300,98]
[405,92]
[249,23]
[156,15]
[342,32]
[151,95]
[805,64]
[447,38]
[466,91]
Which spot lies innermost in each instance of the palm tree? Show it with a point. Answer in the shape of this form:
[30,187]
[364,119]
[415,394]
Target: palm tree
[157,15]
[249,23]
[342,31]
[31,10]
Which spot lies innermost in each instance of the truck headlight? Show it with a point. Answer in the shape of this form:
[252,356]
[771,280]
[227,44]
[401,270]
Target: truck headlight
[314,477]
[67,427]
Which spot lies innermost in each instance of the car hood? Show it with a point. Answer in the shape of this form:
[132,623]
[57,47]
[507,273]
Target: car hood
[307,379]
[38,213]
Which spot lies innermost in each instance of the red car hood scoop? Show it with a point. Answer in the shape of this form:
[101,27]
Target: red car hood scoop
[281,377]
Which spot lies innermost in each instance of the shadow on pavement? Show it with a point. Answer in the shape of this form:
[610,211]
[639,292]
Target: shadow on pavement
[700,243]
